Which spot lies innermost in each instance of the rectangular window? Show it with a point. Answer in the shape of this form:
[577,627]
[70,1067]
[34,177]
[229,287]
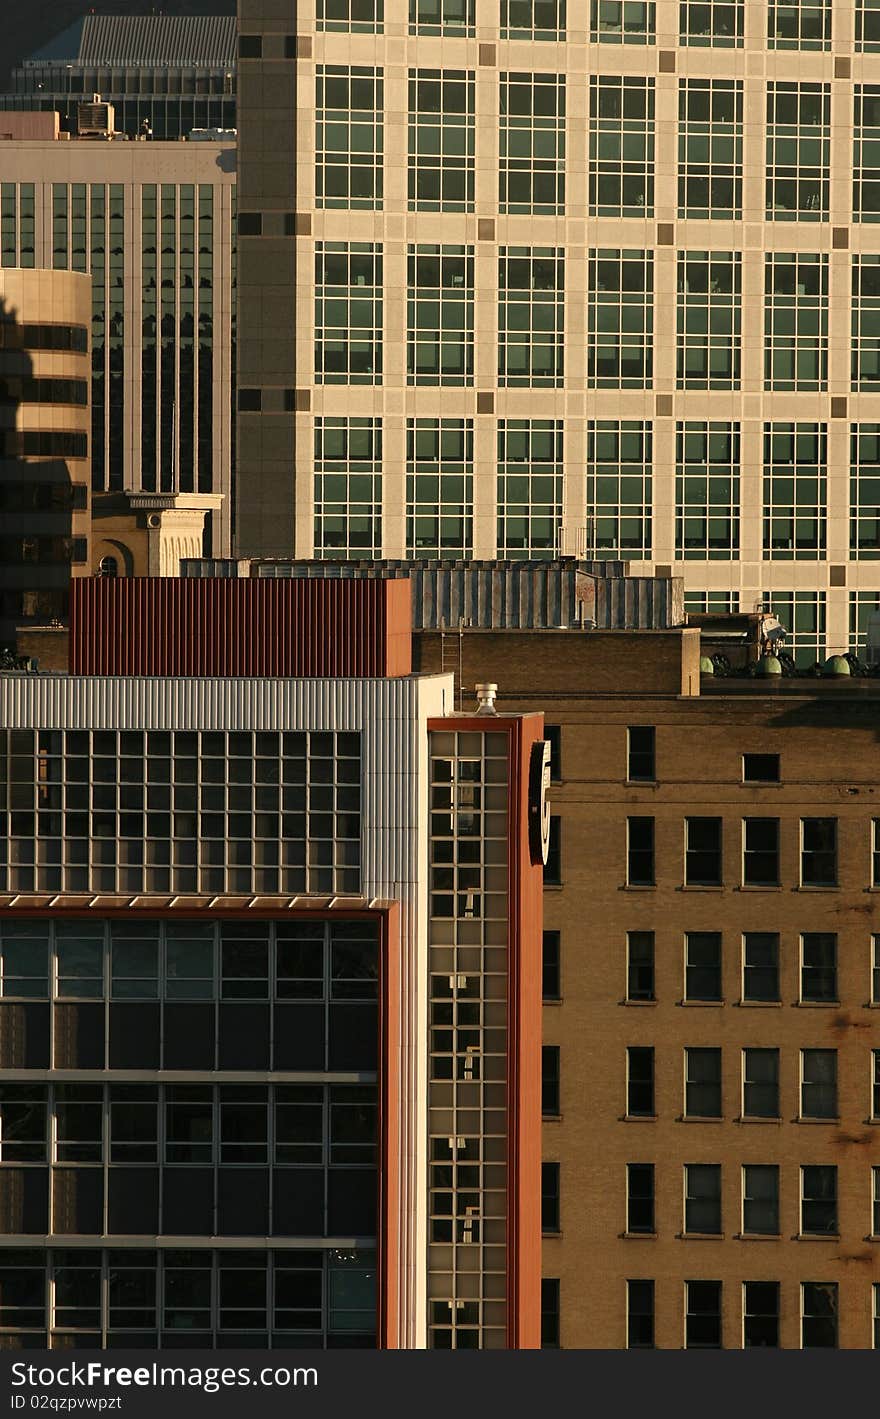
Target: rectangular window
[702,1091]
[702,973]
[533,19]
[760,852]
[641,757]
[819,852]
[818,1083]
[531,316]
[875,1312]
[619,488]
[819,1315]
[710,151]
[819,967]
[795,322]
[553,865]
[621,147]
[620,319]
[711,603]
[702,1330]
[715,23]
[799,24]
[760,1083]
[349,117]
[819,1201]
[702,864]
[640,965]
[348,313]
[866,159]
[531,167]
[640,852]
[803,613]
[350,16]
[875,1084]
[795,493]
[550,1197]
[441,140]
[760,1184]
[440,315]
[551,966]
[761,965]
[549,1313]
[439,487]
[702,1198]
[550,1081]
[639,1082]
[640,1197]
[867,26]
[707,491]
[865,349]
[760,768]
[798,152]
[553,736]
[709,320]
[454,18]
[864,499]
[348,487]
[875,970]
[622,21]
[875,1202]
[760,1314]
[862,606]
[640,1315]
[529,488]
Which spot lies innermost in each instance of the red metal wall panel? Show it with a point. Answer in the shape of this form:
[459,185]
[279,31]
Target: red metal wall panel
[246,627]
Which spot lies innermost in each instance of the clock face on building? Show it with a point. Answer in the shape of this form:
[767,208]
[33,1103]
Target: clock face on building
[539,802]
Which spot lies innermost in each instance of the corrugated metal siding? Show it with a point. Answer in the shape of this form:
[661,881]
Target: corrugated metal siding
[175,40]
[166,626]
[639,603]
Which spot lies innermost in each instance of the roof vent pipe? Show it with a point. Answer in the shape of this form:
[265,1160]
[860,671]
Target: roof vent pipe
[486,698]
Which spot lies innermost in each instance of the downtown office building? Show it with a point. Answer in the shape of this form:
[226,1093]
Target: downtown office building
[520,279]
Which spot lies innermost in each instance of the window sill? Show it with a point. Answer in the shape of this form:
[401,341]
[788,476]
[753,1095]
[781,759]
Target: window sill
[759,887]
[816,1004]
[551,999]
[759,1004]
[550,1118]
[642,783]
[701,887]
[699,1236]
[638,1236]
[700,1118]
[701,1004]
[639,887]
[553,886]
[817,887]
[834,1118]
[556,1232]
[816,1237]
[640,1004]
[757,1237]
[637,1118]
[757,1118]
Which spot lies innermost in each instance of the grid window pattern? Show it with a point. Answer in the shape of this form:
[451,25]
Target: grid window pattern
[348,313]
[211,812]
[864,504]
[711,603]
[440,315]
[710,148]
[868,26]
[350,16]
[865,329]
[707,491]
[708,320]
[620,319]
[349,137]
[531,316]
[803,615]
[760,1083]
[862,606]
[619,488]
[454,18]
[866,153]
[760,1214]
[468,1064]
[531,171]
[439,487]
[622,21]
[640,1315]
[348,487]
[621,147]
[798,152]
[17,224]
[760,1314]
[533,19]
[529,487]
[715,24]
[702,1199]
[761,965]
[194,1297]
[799,24]
[795,495]
[819,1312]
[795,321]
[441,140]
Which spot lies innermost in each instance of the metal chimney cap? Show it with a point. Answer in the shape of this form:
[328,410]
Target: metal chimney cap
[486,698]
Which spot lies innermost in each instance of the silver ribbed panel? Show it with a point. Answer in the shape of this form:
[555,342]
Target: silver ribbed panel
[176,40]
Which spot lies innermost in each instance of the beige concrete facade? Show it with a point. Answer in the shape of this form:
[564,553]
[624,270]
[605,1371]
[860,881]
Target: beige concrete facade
[162,305]
[819,585]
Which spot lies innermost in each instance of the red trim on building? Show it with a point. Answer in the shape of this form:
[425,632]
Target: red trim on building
[302,626]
